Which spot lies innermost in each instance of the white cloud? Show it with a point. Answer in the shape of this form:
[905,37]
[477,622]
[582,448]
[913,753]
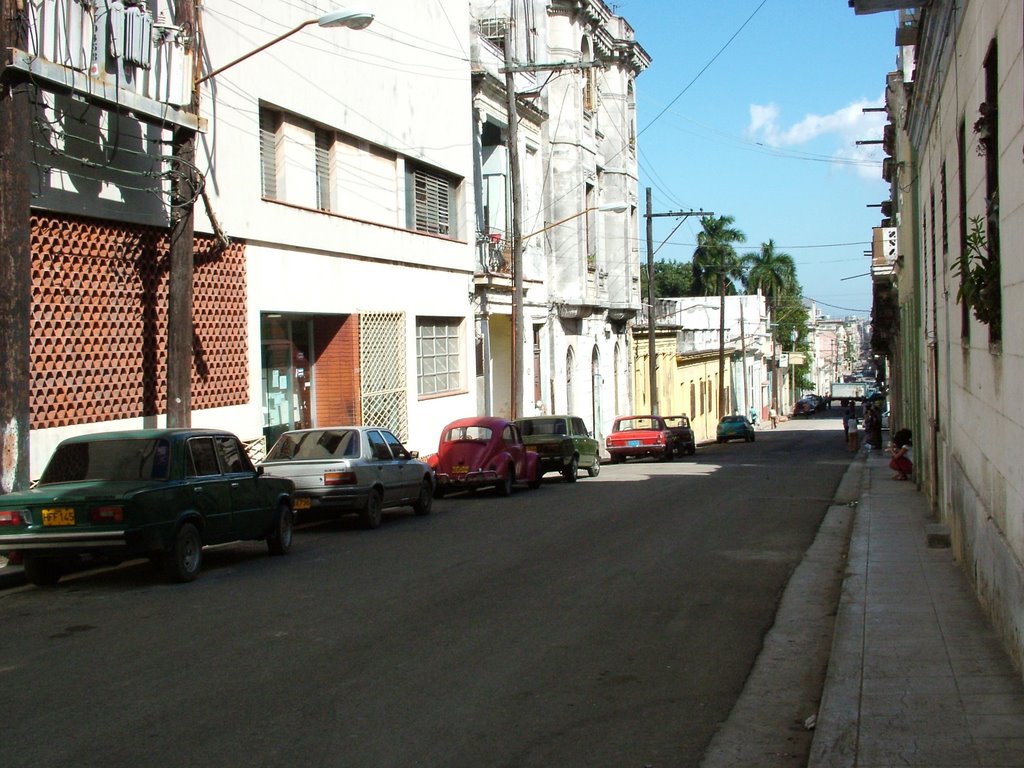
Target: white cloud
[842,128]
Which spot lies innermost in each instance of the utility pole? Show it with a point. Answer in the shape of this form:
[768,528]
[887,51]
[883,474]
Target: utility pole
[182,252]
[518,324]
[652,348]
[721,335]
[15,255]
[510,69]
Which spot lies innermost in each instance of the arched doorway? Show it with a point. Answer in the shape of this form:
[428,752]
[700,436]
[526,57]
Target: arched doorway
[595,397]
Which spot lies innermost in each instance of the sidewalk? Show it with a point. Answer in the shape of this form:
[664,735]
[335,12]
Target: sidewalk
[916,676]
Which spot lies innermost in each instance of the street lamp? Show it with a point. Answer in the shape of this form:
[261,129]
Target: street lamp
[351,19]
[518,327]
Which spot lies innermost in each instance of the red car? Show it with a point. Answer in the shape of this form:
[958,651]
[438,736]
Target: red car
[641,436]
[482,451]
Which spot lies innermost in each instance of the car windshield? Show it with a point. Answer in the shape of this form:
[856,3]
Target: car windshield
[471,432]
[677,421]
[316,444]
[542,427]
[121,459]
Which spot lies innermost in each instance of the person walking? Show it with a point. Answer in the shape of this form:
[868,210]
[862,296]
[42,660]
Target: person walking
[773,414]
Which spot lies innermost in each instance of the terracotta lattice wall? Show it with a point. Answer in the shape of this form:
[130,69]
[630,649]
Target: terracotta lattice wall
[99,322]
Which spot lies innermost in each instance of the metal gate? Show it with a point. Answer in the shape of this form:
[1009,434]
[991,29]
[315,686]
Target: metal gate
[382,367]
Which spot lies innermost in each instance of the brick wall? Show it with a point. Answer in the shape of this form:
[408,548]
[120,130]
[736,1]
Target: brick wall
[98,339]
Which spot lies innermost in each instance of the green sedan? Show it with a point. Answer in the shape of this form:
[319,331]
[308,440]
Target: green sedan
[161,493]
[563,444]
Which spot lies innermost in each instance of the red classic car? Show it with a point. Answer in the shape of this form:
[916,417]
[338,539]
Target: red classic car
[641,436]
[482,451]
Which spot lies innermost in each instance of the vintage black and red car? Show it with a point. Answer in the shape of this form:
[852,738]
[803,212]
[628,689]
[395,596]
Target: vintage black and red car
[637,436]
[482,451]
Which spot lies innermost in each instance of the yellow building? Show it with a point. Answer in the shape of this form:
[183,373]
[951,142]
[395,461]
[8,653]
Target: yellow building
[687,381]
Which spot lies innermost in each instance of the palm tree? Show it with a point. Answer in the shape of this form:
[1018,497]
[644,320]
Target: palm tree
[715,259]
[771,272]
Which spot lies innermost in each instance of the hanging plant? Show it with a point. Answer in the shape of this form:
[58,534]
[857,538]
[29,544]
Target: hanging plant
[978,271]
[983,127]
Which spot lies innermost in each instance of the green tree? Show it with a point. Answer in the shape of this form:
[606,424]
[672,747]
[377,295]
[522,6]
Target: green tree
[771,272]
[671,279]
[715,256]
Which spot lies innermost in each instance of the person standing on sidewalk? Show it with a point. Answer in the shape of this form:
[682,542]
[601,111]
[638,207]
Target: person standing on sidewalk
[773,414]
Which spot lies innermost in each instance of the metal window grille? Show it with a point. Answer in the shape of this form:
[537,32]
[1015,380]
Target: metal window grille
[382,371]
[431,202]
[324,144]
[270,122]
[438,355]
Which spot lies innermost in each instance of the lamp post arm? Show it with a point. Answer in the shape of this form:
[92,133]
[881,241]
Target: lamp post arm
[254,51]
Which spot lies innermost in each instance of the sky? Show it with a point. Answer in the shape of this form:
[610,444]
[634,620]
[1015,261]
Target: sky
[752,109]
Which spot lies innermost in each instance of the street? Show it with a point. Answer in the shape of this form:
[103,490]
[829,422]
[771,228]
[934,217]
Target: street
[612,622]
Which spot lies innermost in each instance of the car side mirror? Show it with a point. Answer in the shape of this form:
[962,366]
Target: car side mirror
[414,454]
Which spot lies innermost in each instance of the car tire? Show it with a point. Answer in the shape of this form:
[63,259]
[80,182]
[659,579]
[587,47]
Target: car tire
[504,486]
[43,571]
[595,469]
[425,501]
[570,472]
[280,539]
[668,455]
[373,511]
[181,563]
[753,437]
[439,491]
[691,449]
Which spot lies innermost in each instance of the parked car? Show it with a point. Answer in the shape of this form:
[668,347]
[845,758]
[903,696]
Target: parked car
[735,428]
[563,444]
[681,430]
[159,493]
[805,406]
[351,469]
[478,452]
[637,436]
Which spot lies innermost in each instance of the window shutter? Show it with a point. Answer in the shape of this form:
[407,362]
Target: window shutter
[432,202]
[269,121]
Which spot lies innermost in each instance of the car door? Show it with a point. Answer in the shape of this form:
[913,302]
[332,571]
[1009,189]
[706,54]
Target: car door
[408,472]
[384,466]
[513,440]
[586,446]
[250,512]
[210,490]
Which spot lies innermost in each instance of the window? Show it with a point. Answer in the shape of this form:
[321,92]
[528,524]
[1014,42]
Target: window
[202,458]
[270,124]
[432,198]
[233,455]
[438,358]
[324,144]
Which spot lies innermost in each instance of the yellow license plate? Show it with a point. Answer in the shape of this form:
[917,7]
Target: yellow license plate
[303,502]
[59,516]
[460,469]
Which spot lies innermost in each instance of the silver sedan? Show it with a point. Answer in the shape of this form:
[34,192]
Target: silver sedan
[353,469]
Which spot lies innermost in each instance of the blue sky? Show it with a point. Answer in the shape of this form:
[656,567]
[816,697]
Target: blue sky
[766,133]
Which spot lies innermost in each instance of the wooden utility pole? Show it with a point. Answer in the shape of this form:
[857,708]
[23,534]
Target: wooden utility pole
[15,254]
[182,264]
[514,175]
[652,348]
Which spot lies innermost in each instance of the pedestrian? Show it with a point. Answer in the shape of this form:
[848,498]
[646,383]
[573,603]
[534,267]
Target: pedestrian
[774,416]
[753,416]
[846,424]
[902,462]
[869,427]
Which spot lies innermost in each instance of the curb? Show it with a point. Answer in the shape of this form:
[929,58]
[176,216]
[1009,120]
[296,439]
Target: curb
[12,576]
[776,698]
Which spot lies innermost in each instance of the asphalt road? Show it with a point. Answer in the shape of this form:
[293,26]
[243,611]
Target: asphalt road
[608,623]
